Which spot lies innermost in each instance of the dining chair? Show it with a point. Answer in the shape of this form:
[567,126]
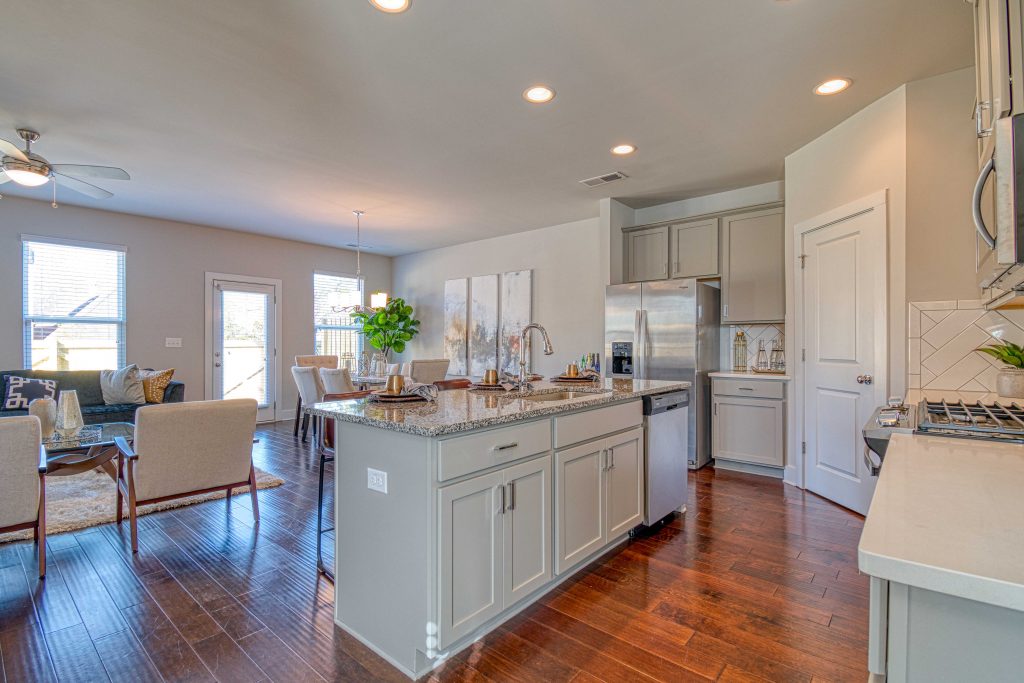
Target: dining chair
[186,449]
[326,448]
[336,381]
[429,371]
[311,361]
[449,384]
[23,486]
[307,379]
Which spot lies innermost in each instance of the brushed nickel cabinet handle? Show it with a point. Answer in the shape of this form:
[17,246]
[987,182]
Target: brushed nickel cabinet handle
[502,499]
[512,496]
[505,447]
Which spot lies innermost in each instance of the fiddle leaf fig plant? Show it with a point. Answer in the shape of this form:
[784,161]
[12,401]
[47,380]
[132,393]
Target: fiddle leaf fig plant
[389,328]
[1006,352]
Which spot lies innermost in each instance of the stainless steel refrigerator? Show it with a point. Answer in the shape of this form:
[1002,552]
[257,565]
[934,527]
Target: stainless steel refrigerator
[667,330]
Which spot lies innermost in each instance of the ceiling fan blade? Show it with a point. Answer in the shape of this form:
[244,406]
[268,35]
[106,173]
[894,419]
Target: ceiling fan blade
[84,171]
[81,186]
[11,150]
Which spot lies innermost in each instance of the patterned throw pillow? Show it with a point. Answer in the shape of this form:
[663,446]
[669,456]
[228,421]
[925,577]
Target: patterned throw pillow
[154,382]
[22,390]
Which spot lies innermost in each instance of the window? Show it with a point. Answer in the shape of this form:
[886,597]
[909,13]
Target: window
[72,305]
[335,332]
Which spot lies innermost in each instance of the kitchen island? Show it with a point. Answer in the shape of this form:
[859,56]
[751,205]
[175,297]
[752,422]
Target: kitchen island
[454,515]
[943,544]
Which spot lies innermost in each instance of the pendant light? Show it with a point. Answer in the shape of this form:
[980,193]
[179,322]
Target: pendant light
[377,299]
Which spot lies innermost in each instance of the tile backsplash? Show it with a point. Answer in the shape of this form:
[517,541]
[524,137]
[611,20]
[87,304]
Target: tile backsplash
[942,337]
[755,333]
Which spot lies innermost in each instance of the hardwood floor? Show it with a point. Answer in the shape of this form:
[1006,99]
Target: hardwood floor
[757,582]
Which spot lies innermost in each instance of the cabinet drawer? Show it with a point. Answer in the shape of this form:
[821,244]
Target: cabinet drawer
[592,424]
[750,388]
[465,454]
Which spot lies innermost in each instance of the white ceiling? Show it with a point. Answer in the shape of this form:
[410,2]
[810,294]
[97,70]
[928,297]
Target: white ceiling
[281,117]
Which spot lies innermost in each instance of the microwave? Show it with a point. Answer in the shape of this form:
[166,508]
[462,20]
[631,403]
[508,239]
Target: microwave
[998,210]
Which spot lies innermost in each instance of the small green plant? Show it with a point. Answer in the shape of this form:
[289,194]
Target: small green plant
[1006,352]
[388,328]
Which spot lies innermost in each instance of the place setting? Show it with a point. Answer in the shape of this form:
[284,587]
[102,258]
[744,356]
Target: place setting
[573,375]
[399,390]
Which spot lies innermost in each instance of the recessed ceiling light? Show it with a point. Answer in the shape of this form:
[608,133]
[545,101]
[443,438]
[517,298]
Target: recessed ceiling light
[623,150]
[391,6]
[538,94]
[833,86]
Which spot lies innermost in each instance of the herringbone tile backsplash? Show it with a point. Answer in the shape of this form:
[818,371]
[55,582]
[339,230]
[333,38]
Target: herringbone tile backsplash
[755,334]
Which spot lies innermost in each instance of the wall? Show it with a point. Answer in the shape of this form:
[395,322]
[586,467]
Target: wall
[568,286]
[166,265]
[941,171]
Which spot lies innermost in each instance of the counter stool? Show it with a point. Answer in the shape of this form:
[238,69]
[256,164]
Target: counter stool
[326,449]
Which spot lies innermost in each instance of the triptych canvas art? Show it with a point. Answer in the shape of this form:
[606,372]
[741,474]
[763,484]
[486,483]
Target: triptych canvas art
[483,317]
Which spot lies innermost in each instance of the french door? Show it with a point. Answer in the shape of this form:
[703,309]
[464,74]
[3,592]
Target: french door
[243,363]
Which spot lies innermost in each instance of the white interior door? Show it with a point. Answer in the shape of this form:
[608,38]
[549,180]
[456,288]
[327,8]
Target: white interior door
[844,339]
[244,356]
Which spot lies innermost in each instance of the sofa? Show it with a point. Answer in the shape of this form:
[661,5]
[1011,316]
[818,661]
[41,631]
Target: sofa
[90,396]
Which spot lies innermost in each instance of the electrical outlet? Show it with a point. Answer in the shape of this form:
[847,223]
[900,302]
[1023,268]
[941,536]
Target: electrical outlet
[172,342]
[376,480]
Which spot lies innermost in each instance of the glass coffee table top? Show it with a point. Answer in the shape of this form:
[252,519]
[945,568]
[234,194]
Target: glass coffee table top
[91,435]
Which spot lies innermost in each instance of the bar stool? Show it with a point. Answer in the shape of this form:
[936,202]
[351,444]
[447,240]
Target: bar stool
[326,449]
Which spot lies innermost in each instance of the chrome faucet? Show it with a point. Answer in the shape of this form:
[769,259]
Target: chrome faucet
[548,350]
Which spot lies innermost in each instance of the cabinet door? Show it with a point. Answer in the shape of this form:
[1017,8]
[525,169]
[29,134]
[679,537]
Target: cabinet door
[579,509]
[647,254]
[694,249]
[624,480]
[471,555]
[753,267]
[749,430]
[527,532]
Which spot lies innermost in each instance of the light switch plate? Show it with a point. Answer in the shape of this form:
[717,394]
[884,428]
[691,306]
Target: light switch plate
[172,342]
[376,480]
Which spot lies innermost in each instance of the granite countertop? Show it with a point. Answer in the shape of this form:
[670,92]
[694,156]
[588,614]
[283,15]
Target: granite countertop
[462,410]
[948,516]
[723,374]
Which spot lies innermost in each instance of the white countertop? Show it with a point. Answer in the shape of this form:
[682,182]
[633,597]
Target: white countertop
[948,516]
[748,375]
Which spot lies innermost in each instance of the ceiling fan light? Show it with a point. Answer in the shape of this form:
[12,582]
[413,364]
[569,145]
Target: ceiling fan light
[26,177]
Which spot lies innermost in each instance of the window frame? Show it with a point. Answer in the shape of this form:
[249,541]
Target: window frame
[121,321]
[361,281]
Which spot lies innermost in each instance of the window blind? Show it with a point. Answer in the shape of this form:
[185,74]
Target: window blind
[73,300]
[335,332]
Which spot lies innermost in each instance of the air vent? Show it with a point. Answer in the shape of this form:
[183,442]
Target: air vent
[353,245]
[604,179]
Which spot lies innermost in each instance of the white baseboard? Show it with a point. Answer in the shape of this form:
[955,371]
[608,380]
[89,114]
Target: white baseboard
[773,472]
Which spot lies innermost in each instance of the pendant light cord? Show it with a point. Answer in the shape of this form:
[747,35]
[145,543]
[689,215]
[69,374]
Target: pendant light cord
[359,243]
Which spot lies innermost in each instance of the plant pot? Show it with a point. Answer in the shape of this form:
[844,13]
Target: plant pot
[1010,383]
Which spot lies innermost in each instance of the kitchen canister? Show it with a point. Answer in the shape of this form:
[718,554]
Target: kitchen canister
[46,410]
[1010,382]
[69,414]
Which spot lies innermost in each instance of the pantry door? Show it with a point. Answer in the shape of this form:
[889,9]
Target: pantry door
[842,314]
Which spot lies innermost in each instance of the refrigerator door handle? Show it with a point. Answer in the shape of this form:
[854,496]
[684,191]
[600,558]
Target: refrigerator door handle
[643,343]
[637,353]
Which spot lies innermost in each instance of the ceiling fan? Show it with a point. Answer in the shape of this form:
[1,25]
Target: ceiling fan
[27,168]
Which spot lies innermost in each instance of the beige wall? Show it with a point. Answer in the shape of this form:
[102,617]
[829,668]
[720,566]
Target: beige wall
[568,286]
[166,265]
[941,170]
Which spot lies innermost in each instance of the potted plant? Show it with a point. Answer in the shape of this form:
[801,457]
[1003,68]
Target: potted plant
[388,328]
[1010,380]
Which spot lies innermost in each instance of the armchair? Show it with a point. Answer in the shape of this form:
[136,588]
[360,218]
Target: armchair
[23,486]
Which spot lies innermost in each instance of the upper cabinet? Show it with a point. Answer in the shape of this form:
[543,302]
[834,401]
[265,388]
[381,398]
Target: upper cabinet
[753,267]
[694,248]
[999,67]
[646,251]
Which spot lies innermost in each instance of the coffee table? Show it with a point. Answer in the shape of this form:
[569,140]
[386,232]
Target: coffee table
[94,449]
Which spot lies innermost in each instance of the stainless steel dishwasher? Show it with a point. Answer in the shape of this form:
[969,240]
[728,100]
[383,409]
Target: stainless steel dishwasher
[665,462]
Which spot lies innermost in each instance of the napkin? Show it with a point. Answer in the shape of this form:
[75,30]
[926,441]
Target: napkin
[425,391]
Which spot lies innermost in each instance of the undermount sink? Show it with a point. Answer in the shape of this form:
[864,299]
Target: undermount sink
[560,395]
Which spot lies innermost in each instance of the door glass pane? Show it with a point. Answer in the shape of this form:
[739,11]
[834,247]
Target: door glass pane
[245,344]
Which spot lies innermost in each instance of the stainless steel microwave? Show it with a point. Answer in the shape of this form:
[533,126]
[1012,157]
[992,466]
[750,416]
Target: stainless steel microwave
[999,214]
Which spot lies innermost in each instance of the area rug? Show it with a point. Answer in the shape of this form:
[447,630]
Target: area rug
[88,499]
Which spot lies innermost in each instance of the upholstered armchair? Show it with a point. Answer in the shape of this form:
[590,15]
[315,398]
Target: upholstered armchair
[23,484]
[316,362]
[185,449]
[429,371]
[336,381]
[307,379]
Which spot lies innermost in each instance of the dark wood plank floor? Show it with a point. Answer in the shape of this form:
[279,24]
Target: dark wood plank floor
[757,582]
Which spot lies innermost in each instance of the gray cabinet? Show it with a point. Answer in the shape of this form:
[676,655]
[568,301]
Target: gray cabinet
[749,421]
[598,495]
[993,68]
[753,267]
[694,249]
[495,544]
[646,254]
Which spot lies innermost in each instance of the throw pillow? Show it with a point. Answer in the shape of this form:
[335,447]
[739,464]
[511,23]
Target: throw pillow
[23,390]
[154,382]
[122,386]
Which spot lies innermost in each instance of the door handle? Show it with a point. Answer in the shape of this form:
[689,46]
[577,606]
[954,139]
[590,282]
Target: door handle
[502,499]
[604,459]
[873,469]
[511,496]
[216,365]
[611,458]
[979,189]
[865,379]
[978,109]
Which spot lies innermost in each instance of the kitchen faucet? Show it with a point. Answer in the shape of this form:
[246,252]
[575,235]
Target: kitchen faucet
[548,350]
